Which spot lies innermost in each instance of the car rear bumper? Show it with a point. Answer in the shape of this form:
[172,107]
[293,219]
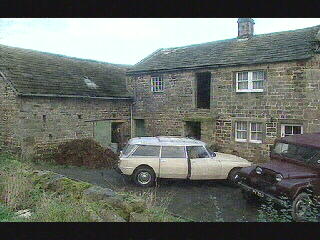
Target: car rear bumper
[263,195]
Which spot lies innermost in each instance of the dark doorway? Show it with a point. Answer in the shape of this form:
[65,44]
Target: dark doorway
[193,130]
[203,90]
[140,128]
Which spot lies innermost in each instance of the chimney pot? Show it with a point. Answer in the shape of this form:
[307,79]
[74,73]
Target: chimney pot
[245,27]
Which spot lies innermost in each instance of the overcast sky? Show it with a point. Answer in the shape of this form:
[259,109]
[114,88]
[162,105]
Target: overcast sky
[125,40]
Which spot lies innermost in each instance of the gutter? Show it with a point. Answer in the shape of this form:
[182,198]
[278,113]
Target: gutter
[139,72]
[71,96]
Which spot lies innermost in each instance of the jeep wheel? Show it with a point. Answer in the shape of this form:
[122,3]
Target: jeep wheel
[301,207]
[144,177]
[233,177]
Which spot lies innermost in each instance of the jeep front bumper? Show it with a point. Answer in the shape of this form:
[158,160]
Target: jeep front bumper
[263,195]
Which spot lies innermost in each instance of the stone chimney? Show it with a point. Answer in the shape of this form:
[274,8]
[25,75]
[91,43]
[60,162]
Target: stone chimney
[245,27]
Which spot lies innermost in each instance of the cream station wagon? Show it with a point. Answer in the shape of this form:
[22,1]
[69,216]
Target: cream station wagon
[148,158]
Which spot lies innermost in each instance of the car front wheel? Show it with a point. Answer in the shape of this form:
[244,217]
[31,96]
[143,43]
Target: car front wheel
[301,207]
[144,177]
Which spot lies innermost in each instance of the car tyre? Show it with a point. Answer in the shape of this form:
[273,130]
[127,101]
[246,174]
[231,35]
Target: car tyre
[144,177]
[301,205]
[233,177]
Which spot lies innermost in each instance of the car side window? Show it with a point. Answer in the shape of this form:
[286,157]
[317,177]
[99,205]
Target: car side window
[147,151]
[197,152]
[173,152]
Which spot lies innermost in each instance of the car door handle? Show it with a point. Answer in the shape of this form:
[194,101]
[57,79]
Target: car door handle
[163,160]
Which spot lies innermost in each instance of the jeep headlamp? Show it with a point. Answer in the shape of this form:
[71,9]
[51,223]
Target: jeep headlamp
[279,177]
[259,170]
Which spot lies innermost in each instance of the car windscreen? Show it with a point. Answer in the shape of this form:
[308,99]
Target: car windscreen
[127,149]
[301,153]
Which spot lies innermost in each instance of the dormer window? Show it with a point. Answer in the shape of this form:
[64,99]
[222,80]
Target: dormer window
[250,81]
[157,84]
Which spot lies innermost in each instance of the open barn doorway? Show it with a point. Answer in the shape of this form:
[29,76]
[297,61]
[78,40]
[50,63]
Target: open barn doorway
[193,129]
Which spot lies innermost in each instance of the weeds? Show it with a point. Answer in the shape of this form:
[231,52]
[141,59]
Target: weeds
[58,209]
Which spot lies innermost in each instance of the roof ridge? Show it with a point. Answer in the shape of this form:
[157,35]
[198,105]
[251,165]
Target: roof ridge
[230,39]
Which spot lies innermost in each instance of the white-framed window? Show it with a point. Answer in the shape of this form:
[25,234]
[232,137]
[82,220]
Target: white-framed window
[291,129]
[255,132]
[241,131]
[157,84]
[250,81]
[248,131]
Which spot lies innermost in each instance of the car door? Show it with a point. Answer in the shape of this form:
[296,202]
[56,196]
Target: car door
[202,165]
[173,162]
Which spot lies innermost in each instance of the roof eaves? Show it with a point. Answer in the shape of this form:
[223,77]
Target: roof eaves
[71,96]
[213,66]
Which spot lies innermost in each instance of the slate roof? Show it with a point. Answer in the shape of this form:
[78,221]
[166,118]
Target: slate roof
[263,48]
[44,74]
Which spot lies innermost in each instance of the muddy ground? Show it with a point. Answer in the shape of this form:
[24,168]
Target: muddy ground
[195,200]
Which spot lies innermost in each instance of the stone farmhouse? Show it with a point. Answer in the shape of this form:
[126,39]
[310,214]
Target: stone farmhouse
[237,94]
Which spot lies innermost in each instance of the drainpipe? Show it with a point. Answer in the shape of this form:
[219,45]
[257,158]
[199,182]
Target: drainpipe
[131,119]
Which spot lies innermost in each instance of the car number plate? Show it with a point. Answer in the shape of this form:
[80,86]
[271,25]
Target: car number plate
[258,193]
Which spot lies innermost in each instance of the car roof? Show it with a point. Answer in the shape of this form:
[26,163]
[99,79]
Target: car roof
[166,141]
[306,139]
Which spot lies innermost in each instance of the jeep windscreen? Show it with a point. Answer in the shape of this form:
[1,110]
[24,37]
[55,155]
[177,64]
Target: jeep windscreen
[127,149]
[304,154]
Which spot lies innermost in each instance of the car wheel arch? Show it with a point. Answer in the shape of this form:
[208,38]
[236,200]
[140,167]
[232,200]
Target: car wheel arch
[144,166]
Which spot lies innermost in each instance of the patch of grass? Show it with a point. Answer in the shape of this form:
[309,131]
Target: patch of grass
[6,215]
[57,209]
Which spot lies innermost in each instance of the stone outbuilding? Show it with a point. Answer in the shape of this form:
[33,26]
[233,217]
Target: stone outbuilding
[48,98]
[237,94]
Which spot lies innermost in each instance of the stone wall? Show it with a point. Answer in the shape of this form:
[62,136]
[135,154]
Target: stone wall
[34,121]
[8,113]
[52,120]
[290,96]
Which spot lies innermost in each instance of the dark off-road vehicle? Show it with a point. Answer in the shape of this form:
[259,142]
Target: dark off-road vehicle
[291,178]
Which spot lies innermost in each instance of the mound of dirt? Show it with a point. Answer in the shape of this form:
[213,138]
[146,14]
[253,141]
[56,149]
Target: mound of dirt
[84,152]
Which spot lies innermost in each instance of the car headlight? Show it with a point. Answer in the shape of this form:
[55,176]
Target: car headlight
[259,170]
[279,177]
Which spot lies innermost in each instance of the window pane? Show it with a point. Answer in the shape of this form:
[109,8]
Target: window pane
[288,130]
[257,84]
[258,75]
[296,129]
[173,152]
[197,152]
[156,84]
[257,127]
[245,76]
[241,125]
[147,151]
[241,135]
[242,85]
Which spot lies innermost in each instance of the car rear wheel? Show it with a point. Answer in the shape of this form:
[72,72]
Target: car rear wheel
[144,177]
[301,207]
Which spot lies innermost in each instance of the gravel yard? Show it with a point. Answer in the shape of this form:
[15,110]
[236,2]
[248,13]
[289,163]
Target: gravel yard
[206,201]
